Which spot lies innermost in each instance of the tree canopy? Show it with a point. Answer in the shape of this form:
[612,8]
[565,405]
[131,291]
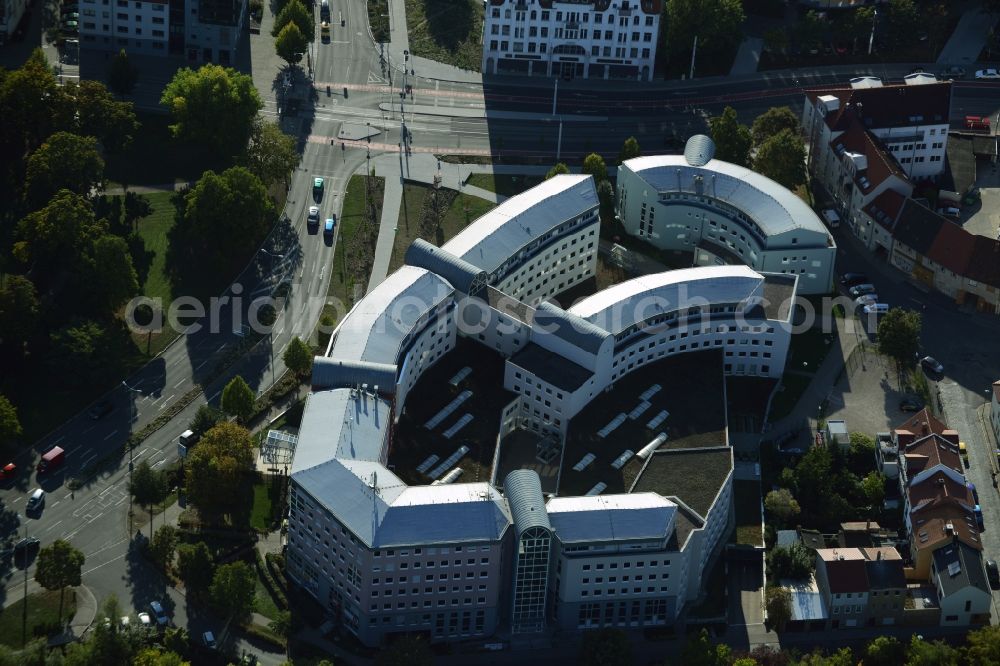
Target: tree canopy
[794,562]
[732,140]
[233,588]
[291,43]
[782,158]
[781,505]
[629,150]
[196,567]
[122,74]
[19,310]
[215,468]
[594,165]
[55,234]
[10,426]
[558,169]
[298,357]
[898,335]
[270,153]
[64,162]
[294,12]
[718,24]
[605,647]
[771,122]
[212,105]
[238,399]
[148,487]
[59,565]
[110,273]
[778,606]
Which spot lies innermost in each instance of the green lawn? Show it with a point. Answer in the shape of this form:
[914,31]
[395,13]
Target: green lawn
[263,602]
[792,388]
[263,505]
[154,230]
[808,349]
[503,184]
[155,158]
[447,31]
[462,210]
[43,613]
[341,286]
[746,497]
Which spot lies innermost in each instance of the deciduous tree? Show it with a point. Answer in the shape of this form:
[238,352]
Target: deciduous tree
[213,105]
[605,647]
[795,562]
[122,74]
[718,24]
[884,651]
[778,606]
[982,646]
[196,567]
[19,310]
[163,545]
[732,140]
[291,44]
[232,590]
[295,12]
[64,162]
[270,153]
[148,487]
[873,486]
[298,357]
[215,469]
[110,274]
[558,169]
[629,150]
[238,399]
[930,653]
[10,425]
[94,111]
[56,236]
[29,116]
[781,505]
[771,122]
[782,158]
[205,419]
[898,335]
[594,165]
[59,565]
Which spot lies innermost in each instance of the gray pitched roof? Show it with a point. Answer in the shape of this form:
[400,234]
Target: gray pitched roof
[602,518]
[461,274]
[958,566]
[527,504]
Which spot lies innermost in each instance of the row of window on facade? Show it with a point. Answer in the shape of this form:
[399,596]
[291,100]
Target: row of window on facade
[652,611]
[560,33]
[595,51]
[571,17]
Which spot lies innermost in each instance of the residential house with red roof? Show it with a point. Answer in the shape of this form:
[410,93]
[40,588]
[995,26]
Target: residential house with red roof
[861,586]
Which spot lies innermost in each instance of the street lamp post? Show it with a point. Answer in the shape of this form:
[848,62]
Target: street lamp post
[131,460]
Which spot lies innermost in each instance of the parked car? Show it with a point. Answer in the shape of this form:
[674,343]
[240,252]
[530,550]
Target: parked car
[949,211]
[208,639]
[987,74]
[831,217]
[159,614]
[993,573]
[866,299]
[953,72]
[932,364]
[979,518]
[145,621]
[910,405]
[875,308]
[36,501]
[852,279]
[972,489]
[8,472]
[25,549]
[977,123]
[862,289]
[100,409]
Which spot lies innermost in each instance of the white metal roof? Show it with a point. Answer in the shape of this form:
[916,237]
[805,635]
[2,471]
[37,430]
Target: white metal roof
[624,517]
[645,296]
[378,324]
[773,207]
[499,234]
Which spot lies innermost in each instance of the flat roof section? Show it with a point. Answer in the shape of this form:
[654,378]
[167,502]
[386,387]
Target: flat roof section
[413,443]
[552,368]
[694,477]
[691,390]
[779,296]
[518,450]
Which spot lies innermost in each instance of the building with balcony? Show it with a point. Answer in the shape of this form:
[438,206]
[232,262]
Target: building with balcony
[724,214]
[599,39]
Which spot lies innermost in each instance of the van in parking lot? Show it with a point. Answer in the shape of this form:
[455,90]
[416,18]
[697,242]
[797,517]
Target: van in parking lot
[831,218]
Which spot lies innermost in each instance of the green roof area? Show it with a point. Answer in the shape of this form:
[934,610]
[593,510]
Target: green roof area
[694,477]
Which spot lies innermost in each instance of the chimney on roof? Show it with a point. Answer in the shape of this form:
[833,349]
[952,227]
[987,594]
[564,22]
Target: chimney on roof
[949,529]
[923,427]
[878,554]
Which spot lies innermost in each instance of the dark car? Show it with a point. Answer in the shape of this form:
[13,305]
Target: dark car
[100,410]
[910,405]
[993,573]
[25,549]
[851,279]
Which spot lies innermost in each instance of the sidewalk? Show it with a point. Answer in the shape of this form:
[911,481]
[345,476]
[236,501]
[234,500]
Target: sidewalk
[399,41]
[747,57]
[969,37]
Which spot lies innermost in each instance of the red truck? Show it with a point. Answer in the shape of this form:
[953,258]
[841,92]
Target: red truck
[977,123]
[52,459]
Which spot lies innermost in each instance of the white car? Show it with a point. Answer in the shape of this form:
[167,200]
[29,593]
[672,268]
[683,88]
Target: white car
[866,299]
[145,620]
[987,74]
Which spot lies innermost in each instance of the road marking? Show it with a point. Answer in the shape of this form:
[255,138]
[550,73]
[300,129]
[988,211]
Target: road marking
[59,440]
[15,501]
[52,526]
[105,564]
[167,401]
[87,460]
[70,452]
[113,433]
[178,384]
[200,364]
[221,347]
[213,396]
[158,463]
[89,429]
[55,504]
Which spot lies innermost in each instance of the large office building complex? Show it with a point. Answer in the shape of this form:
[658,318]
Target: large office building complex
[456,474]
[200,30]
[724,214]
[598,39]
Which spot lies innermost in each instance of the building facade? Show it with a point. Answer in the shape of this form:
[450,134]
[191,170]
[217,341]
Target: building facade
[11,12]
[724,214]
[200,30]
[599,39]
[459,561]
[995,411]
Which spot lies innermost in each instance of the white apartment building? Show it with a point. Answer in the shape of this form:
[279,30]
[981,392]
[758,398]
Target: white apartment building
[995,411]
[600,39]
[11,12]
[201,30]
[386,557]
[868,138]
[724,214]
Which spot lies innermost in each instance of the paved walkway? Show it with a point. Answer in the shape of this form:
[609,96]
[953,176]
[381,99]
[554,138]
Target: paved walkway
[399,41]
[969,37]
[422,168]
[747,57]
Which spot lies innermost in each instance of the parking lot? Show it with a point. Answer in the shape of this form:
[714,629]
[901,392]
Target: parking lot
[745,578]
